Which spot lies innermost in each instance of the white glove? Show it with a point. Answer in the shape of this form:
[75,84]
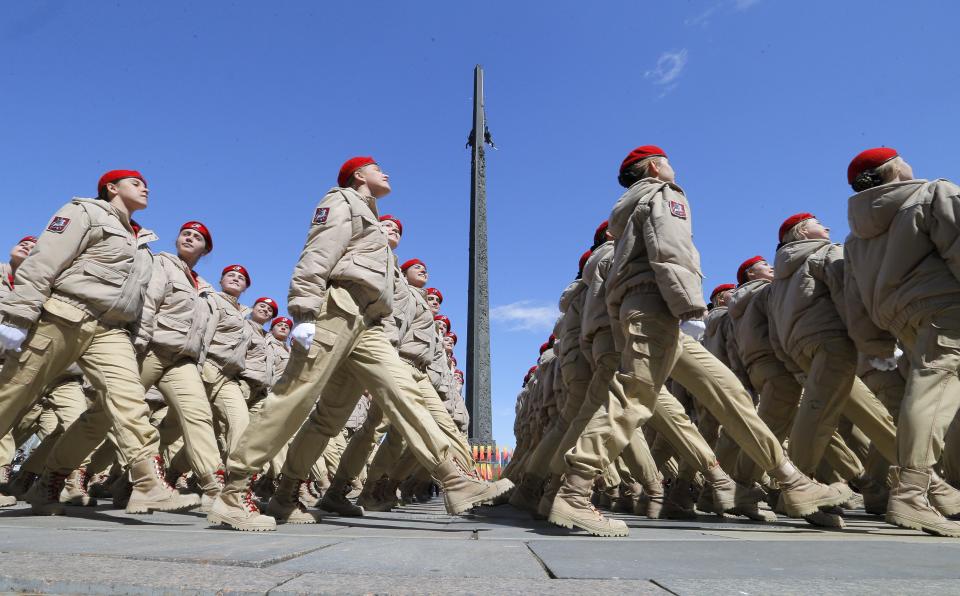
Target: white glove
[694,328]
[11,337]
[303,334]
[887,364]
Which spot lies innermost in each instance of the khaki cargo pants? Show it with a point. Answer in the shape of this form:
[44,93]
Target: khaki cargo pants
[189,410]
[64,335]
[832,389]
[344,348]
[932,395]
[63,404]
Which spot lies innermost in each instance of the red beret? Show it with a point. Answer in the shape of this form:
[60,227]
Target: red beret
[350,166]
[274,322]
[721,288]
[408,264]
[641,152]
[271,302]
[114,175]
[239,268]
[544,347]
[869,160]
[453,335]
[552,339]
[583,259]
[436,293]
[599,236]
[792,221]
[742,269]
[202,230]
[394,220]
[443,318]
[458,373]
[28,239]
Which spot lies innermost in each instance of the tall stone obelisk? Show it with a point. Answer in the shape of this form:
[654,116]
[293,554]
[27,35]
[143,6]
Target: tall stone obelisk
[478,307]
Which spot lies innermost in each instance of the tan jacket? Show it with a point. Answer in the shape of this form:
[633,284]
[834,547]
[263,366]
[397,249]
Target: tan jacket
[88,257]
[403,309]
[344,247]
[654,247]
[279,354]
[175,315]
[420,339]
[750,321]
[228,334]
[257,368]
[6,283]
[904,255]
[721,341]
[571,305]
[806,296]
[595,315]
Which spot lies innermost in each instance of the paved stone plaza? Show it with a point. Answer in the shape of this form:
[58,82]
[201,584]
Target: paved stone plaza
[495,551]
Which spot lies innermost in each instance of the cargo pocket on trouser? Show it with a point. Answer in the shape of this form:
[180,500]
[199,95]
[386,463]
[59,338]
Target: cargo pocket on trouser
[22,368]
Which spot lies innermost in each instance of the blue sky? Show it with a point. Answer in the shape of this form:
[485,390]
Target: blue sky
[240,114]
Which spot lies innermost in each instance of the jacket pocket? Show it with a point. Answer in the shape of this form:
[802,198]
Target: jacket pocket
[173,324]
[103,273]
[370,263]
[62,310]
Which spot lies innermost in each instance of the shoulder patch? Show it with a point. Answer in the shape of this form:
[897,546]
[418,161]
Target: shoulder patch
[320,217]
[58,225]
[678,210]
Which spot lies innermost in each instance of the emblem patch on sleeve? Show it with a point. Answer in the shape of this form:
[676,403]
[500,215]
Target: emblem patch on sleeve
[320,217]
[58,225]
[678,210]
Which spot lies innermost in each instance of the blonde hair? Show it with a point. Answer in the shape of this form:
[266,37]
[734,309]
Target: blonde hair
[797,231]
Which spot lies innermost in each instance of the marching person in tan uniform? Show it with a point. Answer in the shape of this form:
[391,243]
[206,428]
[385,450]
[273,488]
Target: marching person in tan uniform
[227,338]
[434,299]
[170,343]
[340,291]
[257,376]
[811,326]
[655,285]
[74,300]
[903,273]
[19,252]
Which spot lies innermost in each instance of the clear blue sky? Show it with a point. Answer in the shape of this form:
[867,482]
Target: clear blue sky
[239,115]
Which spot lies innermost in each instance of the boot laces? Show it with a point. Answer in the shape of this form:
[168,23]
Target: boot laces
[82,481]
[249,503]
[55,486]
[158,468]
[220,477]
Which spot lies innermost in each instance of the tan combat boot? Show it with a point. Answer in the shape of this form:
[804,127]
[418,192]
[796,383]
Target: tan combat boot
[526,496]
[306,492]
[909,507]
[75,490]
[380,496]
[875,495]
[234,507]
[721,487]
[335,499]
[629,495]
[803,496]
[650,504]
[943,496]
[748,500]
[549,494]
[285,505]
[678,501]
[210,486]
[460,490]
[7,500]
[44,495]
[152,493]
[572,508]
